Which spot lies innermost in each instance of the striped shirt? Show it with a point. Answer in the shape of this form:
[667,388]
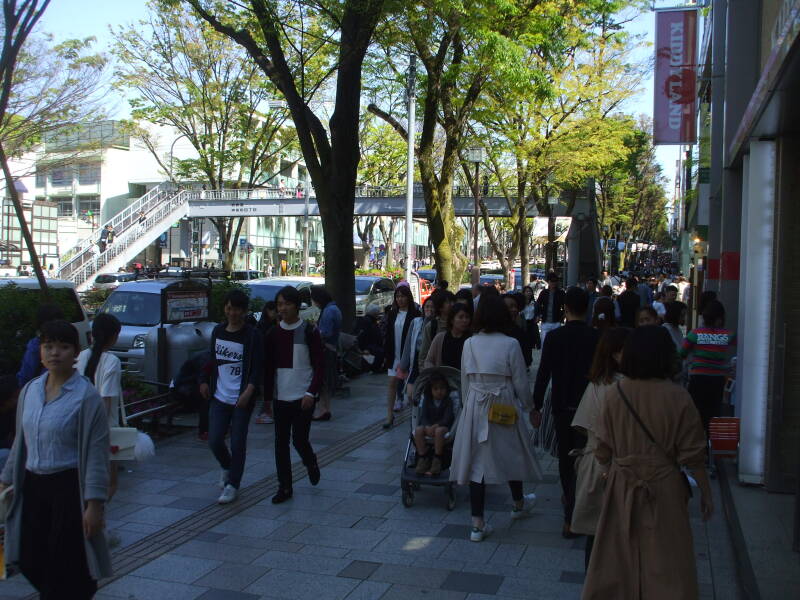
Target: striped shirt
[707,349]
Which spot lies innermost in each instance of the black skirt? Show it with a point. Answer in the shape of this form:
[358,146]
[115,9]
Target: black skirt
[52,551]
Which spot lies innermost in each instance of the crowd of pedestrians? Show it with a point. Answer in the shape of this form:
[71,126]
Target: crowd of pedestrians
[622,397]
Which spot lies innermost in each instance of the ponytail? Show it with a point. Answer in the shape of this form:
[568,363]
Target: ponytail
[105,328]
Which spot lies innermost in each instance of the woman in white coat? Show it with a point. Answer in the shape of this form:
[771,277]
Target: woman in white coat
[494,387]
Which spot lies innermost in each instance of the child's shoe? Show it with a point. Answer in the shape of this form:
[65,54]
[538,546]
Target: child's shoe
[436,466]
[423,464]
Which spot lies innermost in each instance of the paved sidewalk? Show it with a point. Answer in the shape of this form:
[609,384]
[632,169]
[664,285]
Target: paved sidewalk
[350,537]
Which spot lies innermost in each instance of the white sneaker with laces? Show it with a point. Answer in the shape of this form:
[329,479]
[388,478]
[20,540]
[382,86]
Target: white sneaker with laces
[223,479]
[528,502]
[228,494]
[478,535]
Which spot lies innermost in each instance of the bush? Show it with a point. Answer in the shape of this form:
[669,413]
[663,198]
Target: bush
[395,274]
[94,299]
[18,308]
[216,311]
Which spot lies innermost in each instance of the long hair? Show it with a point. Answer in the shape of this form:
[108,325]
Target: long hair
[604,367]
[403,290]
[105,328]
[604,314]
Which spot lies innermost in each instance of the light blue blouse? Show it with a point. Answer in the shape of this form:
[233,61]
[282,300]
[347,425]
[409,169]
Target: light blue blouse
[51,428]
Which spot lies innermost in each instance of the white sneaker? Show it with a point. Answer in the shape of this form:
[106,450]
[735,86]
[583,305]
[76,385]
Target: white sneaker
[223,479]
[528,502]
[478,535]
[228,494]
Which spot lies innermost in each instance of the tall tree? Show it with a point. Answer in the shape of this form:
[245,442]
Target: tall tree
[300,45]
[188,76]
[43,87]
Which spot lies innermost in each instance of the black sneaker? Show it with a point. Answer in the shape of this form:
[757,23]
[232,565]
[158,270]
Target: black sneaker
[282,496]
[313,474]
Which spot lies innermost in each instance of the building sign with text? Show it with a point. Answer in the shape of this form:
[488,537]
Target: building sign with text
[675,102]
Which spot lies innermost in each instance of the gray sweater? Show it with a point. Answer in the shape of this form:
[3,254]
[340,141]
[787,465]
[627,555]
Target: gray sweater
[93,455]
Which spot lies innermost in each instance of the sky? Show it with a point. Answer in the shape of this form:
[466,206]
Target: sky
[83,18]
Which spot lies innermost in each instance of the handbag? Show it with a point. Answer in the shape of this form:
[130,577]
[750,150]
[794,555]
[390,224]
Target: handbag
[653,441]
[502,414]
[128,443]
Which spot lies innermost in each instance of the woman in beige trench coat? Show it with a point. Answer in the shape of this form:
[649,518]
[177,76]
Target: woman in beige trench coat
[493,372]
[643,547]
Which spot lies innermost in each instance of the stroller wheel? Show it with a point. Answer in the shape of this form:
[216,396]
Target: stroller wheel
[451,497]
[408,497]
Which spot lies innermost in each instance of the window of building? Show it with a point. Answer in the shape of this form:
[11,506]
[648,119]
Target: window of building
[64,207]
[89,173]
[88,203]
[61,177]
[41,177]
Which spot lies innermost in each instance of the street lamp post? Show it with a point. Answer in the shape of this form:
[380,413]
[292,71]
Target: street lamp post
[171,151]
[305,227]
[476,156]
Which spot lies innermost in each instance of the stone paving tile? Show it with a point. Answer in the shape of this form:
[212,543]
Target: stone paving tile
[227,595]
[380,477]
[177,568]
[338,537]
[323,565]
[508,554]
[208,536]
[378,489]
[139,527]
[455,532]
[232,577]
[369,523]
[463,549]
[406,592]
[313,517]
[219,551]
[472,582]
[572,577]
[148,499]
[190,503]
[417,545]
[362,508]
[247,526]
[359,569]
[315,550]
[384,557]
[243,541]
[138,588]
[286,531]
[369,590]
[422,576]
[340,474]
[158,515]
[299,586]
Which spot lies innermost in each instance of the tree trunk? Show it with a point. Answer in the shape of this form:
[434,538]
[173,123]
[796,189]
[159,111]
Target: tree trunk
[524,254]
[337,228]
[23,224]
[388,241]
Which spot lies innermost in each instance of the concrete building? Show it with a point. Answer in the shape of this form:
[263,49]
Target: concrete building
[742,217]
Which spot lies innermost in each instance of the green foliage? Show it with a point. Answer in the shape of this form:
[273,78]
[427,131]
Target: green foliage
[393,274]
[18,309]
[219,290]
[93,299]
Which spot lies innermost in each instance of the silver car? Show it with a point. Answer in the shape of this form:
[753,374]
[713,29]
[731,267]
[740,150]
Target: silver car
[373,290]
[267,288]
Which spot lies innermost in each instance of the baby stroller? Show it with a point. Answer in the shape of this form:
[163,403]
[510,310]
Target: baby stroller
[410,481]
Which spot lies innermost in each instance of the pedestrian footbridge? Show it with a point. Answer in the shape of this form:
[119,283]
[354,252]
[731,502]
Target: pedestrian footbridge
[166,204]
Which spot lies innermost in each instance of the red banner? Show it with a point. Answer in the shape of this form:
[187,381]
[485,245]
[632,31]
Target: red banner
[675,105]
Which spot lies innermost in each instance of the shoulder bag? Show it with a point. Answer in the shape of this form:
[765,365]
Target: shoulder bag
[653,441]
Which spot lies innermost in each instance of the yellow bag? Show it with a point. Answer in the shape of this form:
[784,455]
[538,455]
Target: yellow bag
[502,414]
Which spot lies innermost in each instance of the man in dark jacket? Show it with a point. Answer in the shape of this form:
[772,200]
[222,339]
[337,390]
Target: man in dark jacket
[629,302]
[230,386]
[550,306]
[567,355]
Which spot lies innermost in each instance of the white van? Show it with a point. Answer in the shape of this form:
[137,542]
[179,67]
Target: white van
[64,294]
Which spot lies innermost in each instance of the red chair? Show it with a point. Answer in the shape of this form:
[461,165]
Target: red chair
[723,435]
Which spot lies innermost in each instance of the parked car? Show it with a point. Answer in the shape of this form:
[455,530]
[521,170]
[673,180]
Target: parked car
[61,293]
[246,275]
[267,288]
[137,305]
[373,290]
[490,279]
[110,281]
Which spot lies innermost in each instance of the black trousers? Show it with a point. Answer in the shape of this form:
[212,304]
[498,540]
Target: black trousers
[707,391]
[477,495]
[567,438]
[291,423]
[52,552]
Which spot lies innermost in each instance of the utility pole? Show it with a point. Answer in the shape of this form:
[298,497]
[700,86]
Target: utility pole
[305,226]
[412,105]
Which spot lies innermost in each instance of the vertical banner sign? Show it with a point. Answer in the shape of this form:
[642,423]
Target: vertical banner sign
[675,102]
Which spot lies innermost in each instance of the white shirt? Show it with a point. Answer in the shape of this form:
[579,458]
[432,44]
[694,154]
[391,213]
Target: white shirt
[107,380]
[229,349]
[292,384]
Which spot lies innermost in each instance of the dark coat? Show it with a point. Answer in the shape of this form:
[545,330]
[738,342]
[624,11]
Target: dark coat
[388,342]
[544,298]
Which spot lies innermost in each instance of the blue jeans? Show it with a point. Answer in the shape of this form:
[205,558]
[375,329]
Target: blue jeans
[222,416]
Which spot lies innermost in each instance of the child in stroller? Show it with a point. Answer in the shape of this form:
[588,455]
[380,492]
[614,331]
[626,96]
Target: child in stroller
[436,417]
[434,420]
